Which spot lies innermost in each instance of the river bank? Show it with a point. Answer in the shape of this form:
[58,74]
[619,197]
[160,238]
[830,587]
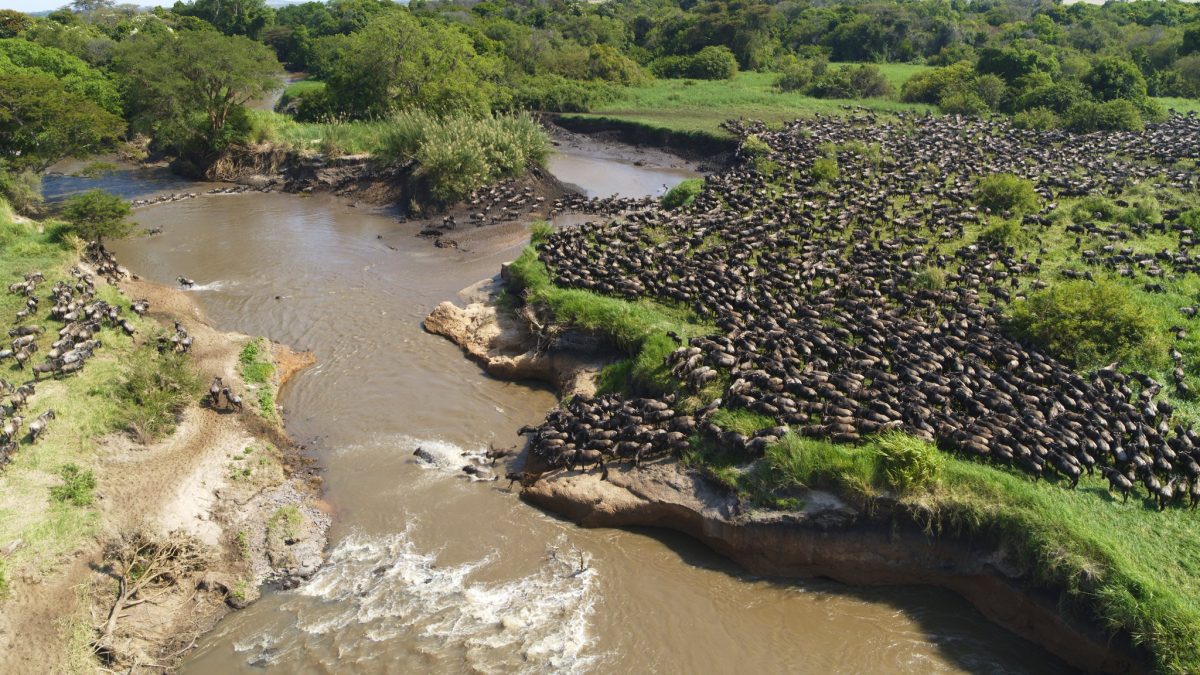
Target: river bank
[477,577]
[880,542]
[222,486]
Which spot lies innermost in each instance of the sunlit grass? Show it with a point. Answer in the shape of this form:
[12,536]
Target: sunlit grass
[701,106]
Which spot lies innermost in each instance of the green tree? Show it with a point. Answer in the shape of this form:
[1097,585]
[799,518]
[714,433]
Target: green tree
[97,214]
[399,62]
[1111,78]
[42,122]
[232,17]
[13,22]
[189,87]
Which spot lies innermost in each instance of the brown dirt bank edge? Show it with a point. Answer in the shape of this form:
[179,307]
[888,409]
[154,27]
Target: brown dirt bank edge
[689,145]
[231,486]
[827,538]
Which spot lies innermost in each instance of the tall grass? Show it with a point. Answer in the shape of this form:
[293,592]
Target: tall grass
[450,155]
[456,154]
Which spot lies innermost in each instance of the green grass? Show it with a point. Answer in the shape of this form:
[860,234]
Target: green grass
[77,487]
[300,89]
[701,106]
[1181,105]
[682,194]
[1124,565]
[87,407]
[286,522]
[258,371]
[637,327]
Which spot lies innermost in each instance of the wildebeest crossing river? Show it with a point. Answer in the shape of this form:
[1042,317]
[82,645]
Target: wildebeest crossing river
[431,571]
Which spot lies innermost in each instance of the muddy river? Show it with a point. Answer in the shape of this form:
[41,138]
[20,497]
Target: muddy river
[431,572]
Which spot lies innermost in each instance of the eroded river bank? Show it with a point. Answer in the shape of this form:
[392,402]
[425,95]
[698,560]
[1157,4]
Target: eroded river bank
[432,571]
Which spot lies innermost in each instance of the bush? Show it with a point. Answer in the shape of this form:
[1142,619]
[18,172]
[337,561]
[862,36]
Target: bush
[683,194]
[22,190]
[1001,233]
[457,154]
[713,63]
[1036,119]
[96,214]
[77,486]
[1117,115]
[865,81]
[558,94]
[1094,207]
[753,146]
[931,85]
[824,169]
[1087,324]
[710,63]
[1006,192]
[795,76]
[963,103]
[154,391]
[540,231]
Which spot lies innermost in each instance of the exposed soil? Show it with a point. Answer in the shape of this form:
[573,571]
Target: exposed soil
[217,480]
[508,347]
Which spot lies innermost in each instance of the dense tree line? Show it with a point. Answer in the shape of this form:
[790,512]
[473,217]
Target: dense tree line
[94,72]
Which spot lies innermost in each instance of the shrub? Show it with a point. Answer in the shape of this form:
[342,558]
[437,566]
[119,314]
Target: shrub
[77,486]
[22,190]
[557,93]
[1006,192]
[713,63]
[930,278]
[710,63]
[753,146]
[1036,119]
[824,169]
[457,154]
[1001,233]
[963,103]
[797,75]
[863,81]
[929,86]
[96,214]
[1094,207]
[154,391]
[683,194]
[1087,324]
[1116,115]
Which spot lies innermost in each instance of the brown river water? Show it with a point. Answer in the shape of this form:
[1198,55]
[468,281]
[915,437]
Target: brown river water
[431,572]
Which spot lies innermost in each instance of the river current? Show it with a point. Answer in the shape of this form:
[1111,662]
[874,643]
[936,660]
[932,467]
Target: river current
[430,571]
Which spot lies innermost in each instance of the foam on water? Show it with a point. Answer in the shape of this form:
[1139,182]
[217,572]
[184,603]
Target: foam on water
[211,286]
[383,589]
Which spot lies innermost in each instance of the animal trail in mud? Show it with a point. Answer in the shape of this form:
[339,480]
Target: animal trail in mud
[827,327]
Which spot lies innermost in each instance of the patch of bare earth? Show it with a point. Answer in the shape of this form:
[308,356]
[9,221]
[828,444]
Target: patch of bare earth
[204,498]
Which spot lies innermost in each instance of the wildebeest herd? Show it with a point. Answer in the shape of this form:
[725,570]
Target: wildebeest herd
[827,327]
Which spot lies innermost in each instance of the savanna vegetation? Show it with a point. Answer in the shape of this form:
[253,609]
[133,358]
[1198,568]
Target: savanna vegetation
[94,74]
